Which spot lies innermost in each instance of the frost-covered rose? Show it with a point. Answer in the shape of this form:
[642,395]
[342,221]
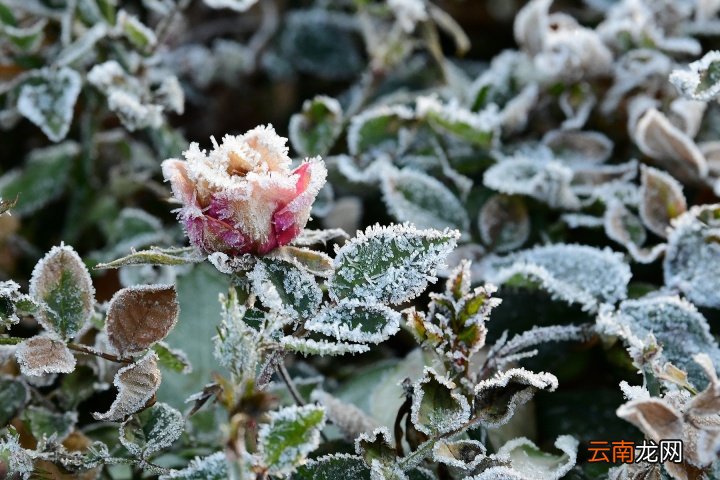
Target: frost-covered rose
[242,196]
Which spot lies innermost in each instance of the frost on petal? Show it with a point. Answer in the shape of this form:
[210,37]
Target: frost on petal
[504,222]
[333,467]
[308,346]
[347,417]
[140,316]
[497,398]
[574,273]
[39,356]
[62,284]
[293,432]
[701,81]
[151,430]
[692,260]
[356,321]
[48,100]
[390,264]
[136,385]
[534,464]
[661,200]
[285,288]
[437,407]
[415,197]
[212,467]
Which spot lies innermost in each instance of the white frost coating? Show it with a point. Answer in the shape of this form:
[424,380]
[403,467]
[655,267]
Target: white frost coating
[438,419]
[133,113]
[515,113]
[701,81]
[408,13]
[39,356]
[237,5]
[132,28]
[166,426]
[231,264]
[504,223]
[546,180]
[503,351]
[296,125]
[692,260]
[531,25]
[308,346]
[285,288]
[634,392]
[443,452]
[212,467]
[579,148]
[372,437]
[574,273]
[9,293]
[21,462]
[581,220]
[453,114]
[661,200]
[136,384]
[82,46]
[347,417]
[532,464]
[50,104]
[237,345]
[280,432]
[309,237]
[358,122]
[356,321]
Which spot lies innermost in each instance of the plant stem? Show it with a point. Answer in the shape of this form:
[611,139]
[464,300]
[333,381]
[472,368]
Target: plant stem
[282,371]
[91,351]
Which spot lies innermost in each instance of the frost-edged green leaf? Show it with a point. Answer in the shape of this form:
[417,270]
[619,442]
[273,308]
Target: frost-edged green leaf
[41,179]
[333,467]
[38,356]
[701,81]
[82,47]
[692,259]
[13,303]
[44,423]
[356,321]
[415,197]
[292,433]
[504,222]
[661,200]
[212,467]
[62,284]
[136,385]
[237,5]
[48,100]
[172,358]
[390,264]
[534,464]
[378,129]
[157,256]
[282,286]
[314,130]
[140,316]
[623,226]
[137,33]
[573,273]
[14,394]
[546,180]
[152,430]
[451,118]
[497,398]
[24,38]
[437,407]
[463,455]
[18,461]
[308,346]
[237,342]
[312,261]
[676,324]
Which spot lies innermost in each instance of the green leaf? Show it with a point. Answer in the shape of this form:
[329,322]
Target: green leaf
[282,286]
[156,256]
[139,35]
[152,430]
[41,180]
[333,467]
[48,100]
[308,346]
[389,264]
[13,396]
[314,130]
[77,386]
[172,359]
[292,433]
[376,446]
[212,467]
[436,407]
[476,128]
[24,38]
[43,423]
[378,129]
[62,284]
[356,321]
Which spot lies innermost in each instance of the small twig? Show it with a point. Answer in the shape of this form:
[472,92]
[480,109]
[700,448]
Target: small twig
[91,351]
[282,371]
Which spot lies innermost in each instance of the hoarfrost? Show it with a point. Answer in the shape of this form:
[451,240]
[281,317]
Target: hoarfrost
[465,455]
[408,13]
[661,200]
[237,345]
[285,288]
[237,5]
[701,81]
[504,222]
[532,464]
[436,407]
[152,430]
[212,467]
[356,321]
[136,384]
[308,346]
[20,461]
[39,356]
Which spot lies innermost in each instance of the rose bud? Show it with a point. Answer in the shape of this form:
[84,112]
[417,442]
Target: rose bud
[242,196]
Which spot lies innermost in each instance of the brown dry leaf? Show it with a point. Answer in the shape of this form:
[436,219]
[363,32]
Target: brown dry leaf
[136,384]
[706,402]
[38,356]
[140,316]
[661,200]
[654,417]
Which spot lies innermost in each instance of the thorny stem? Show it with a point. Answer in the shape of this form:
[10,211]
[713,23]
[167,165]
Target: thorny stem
[90,351]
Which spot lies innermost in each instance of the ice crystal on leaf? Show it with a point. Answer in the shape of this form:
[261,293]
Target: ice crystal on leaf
[38,356]
[436,406]
[504,222]
[390,264]
[573,273]
[356,321]
[378,128]
[408,13]
[19,461]
[464,455]
[451,118]
[285,288]
[308,346]
[315,129]
[701,81]
[662,200]
[237,343]
[136,384]
[332,467]
[13,302]
[212,467]
[527,460]
[152,430]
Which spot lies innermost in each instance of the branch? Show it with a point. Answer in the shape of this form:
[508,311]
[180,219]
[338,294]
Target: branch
[91,351]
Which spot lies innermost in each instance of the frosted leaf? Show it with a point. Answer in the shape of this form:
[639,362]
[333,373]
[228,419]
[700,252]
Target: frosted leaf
[534,464]
[136,384]
[237,5]
[408,13]
[581,220]
[573,273]
[237,344]
[375,446]
[347,417]
[657,419]
[531,25]
[13,302]
[24,38]
[477,128]
[333,467]
[48,100]
[415,197]
[45,424]
[701,81]
[312,261]
[283,287]
[464,455]
[687,115]
[378,128]
[308,346]
[497,398]
[546,180]
[212,467]
[314,130]
[83,46]
[140,316]
[587,179]
[231,264]
[692,260]
[172,359]
[151,430]
[504,222]
[390,264]
[356,321]
[62,284]
[293,432]
[514,116]
[14,394]
[676,325]
[669,146]
[20,462]
[662,200]
[139,35]
[39,356]
[314,237]
[578,147]
[436,407]
[170,94]
[157,256]
[577,104]
[133,113]
[623,226]
[634,392]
